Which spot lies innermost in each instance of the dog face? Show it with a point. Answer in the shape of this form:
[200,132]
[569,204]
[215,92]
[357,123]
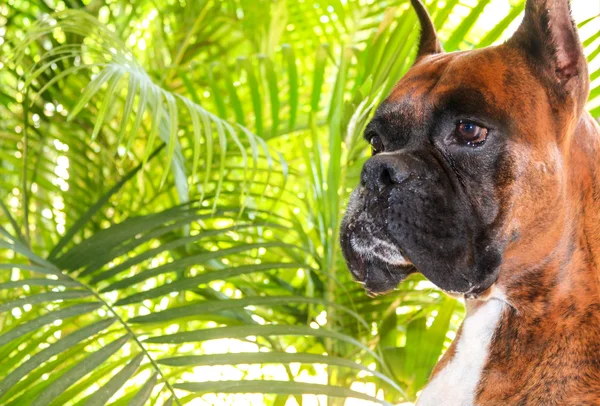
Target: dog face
[467,169]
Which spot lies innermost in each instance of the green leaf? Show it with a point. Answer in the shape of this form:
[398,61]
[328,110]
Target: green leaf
[101,396]
[273,94]
[274,357]
[115,78]
[245,331]
[75,310]
[216,306]
[92,88]
[190,260]
[43,298]
[319,76]
[493,35]
[293,85]
[39,282]
[44,355]
[132,89]
[83,220]
[275,387]
[32,268]
[255,92]
[17,247]
[193,282]
[459,34]
[78,371]
[144,393]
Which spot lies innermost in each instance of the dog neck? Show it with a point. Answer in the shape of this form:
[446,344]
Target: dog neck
[569,274]
[546,344]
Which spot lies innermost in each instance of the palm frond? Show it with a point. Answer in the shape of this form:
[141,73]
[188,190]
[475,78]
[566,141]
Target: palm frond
[97,52]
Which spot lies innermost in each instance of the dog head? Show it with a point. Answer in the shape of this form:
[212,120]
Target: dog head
[467,162]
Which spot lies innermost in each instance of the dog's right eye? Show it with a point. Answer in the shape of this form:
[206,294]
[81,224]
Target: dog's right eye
[376,144]
[471,133]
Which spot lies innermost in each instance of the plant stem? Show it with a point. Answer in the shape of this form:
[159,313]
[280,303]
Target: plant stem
[25,190]
[184,45]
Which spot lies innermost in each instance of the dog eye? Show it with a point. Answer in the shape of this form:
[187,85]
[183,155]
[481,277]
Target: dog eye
[471,133]
[376,144]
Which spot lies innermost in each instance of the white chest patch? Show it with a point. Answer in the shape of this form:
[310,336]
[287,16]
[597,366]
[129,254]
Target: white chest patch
[455,385]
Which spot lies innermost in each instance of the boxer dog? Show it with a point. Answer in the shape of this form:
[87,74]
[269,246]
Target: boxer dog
[485,178]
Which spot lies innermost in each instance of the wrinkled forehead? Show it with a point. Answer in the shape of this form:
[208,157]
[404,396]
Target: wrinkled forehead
[478,82]
[423,77]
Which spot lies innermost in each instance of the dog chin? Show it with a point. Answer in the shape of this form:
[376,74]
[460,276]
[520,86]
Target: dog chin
[376,276]
[373,261]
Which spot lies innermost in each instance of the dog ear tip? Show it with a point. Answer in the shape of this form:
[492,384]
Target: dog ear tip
[429,43]
[549,33]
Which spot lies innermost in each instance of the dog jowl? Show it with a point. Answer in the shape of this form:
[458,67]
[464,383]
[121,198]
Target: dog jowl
[484,177]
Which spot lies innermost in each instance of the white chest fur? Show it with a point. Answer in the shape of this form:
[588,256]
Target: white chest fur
[455,385]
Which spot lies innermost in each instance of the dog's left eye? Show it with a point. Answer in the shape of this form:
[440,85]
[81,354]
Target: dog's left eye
[471,133]
[376,144]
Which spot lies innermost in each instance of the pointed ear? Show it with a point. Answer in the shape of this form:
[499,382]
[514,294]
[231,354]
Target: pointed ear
[549,37]
[429,43]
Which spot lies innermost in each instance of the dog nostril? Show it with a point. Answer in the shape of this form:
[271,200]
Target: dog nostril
[385,178]
[381,172]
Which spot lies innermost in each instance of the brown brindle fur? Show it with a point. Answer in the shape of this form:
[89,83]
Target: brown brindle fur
[546,349]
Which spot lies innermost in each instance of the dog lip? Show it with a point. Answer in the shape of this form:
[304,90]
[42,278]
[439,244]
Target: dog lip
[373,259]
[376,276]
[360,263]
[377,287]
[358,268]
[381,250]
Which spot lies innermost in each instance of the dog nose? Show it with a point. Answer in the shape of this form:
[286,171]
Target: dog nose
[382,171]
